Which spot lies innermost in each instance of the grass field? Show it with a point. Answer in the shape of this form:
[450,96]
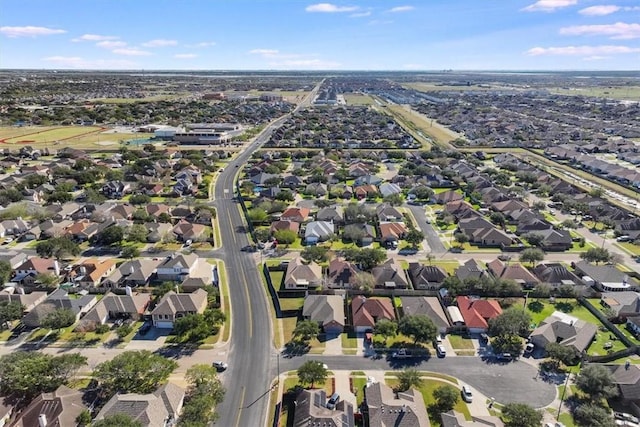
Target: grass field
[631,93]
[429,87]
[414,122]
[358,99]
[50,134]
[59,137]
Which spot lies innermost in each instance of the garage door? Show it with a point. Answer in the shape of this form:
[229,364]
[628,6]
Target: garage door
[164,325]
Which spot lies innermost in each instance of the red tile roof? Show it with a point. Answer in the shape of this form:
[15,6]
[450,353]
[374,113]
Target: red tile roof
[476,312]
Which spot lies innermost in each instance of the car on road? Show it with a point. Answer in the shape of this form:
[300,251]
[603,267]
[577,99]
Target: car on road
[504,357]
[467,396]
[401,354]
[249,248]
[220,366]
[407,251]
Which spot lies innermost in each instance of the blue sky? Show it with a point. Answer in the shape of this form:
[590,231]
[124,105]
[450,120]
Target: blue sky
[307,35]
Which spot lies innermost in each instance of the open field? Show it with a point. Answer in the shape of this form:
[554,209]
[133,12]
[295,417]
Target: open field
[358,99]
[154,98]
[415,122]
[59,137]
[430,87]
[629,93]
[48,134]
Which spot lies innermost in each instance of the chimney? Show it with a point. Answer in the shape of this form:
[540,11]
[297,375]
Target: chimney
[56,267]
[42,420]
[127,290]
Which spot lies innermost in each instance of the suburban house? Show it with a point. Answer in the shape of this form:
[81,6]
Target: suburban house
[136,272]
[318,231]
[311,410]
[605,278]
[58,408]
[327,310]
[512,271]
[387,408]
[173,306]
[341,274]
[185,230]
[427,306]
[301,275]
[390,275]
[471,270]
[556,275]
[332,214]
[37,265]
[91,272]
[426,276]
[627,378]
[116,189]
[158,409]
[14,258]
[365,312]
[366,233]
[392,232]
[28,301]
[387,213]
[624,304]
[476,313]
[176,267]
[446,197]
[112,307]
[295,214]
[57,300]
[564,329]
[555,240]
[284,225]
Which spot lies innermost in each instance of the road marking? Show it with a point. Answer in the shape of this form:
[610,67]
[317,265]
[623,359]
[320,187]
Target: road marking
[246,293]
[241,406]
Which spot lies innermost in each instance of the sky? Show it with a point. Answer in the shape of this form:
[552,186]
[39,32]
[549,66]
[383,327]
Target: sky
[319,35]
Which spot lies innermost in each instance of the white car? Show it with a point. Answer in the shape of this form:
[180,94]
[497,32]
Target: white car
[442,352]
[220,366]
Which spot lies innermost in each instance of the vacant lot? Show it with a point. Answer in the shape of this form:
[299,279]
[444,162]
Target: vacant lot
[629,93]
[358,99]
[51,134]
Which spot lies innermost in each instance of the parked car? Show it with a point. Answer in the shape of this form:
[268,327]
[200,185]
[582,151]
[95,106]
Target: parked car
[333,401]
[529,348]
[503,257]
[625,417]
[249,248]
[220,366]
[505,357]
[467,396]
[441,351]
[146,327]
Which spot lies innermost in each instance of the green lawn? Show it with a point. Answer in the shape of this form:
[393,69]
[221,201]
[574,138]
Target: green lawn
[450,266]
[291,303]
[358,384]
[630,247]
[276,278]
[348,342]
[427,388]
[460,343]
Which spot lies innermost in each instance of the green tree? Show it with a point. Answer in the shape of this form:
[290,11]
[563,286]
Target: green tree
[562,354]
[569,223]
[507,343]
[193,327]
[5,272]
[139,199]
[111,235]
[257,215]
[59,319]
[446,397]
[414,237]
[306,330]
[420,327]
[204,393]
[312,372]
[408,378]
[46,279]
[285,237]
[498,219]
[137,233]
[130,252]
[366,258]
[596,381]
[461,238]
[84,418]
[521,415]
[394,199]
[30,373]
[133,372]
[532,255]
[161,290]
[385,328]
[533,238]
[314,253]
[117,420]
[57,247]
[596,255]
[593,415]
[512,321]
[10,310]
[124,330]
[262,234]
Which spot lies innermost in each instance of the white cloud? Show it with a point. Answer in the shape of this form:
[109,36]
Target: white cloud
[361,14]
[619,30]
[94,38]
[583,50]
[77,62]
[599,10]
[329,8]
[185,55]
[29,31]
[399,9]
[108,44]
[160,43]
[265,52]
[549,5]
[131,51]
[201,44]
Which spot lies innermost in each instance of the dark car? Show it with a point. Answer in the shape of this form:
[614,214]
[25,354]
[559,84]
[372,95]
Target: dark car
[249,248]
[144,329]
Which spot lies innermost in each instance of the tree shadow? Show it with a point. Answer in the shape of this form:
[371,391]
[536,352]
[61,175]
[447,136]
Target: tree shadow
[295,348]
[177,351]
[565,307]
[536,306]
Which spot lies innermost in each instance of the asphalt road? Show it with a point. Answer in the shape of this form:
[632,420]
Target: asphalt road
[515,381]
[431,235]
[251,354]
